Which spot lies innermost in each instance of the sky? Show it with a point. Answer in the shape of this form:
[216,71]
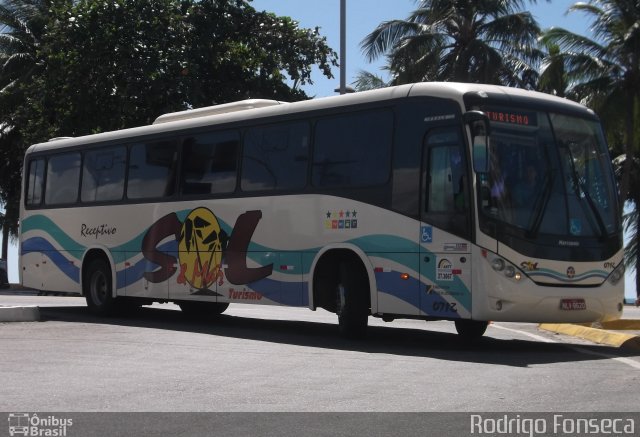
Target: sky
[363,16]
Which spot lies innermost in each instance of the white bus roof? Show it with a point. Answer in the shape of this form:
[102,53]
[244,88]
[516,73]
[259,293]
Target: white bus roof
[238,111]
[224,108]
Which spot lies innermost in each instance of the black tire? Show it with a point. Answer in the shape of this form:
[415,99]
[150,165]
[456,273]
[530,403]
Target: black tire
[98,288]
[471,329]
[202,309]
[352,300]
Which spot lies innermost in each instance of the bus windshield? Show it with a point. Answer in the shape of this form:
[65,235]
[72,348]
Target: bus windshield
[549,174]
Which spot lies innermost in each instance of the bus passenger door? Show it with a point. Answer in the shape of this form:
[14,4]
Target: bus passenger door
[445,249]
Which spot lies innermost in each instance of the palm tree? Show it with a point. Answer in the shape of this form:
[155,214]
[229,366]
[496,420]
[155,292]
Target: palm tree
[489,41]
[631,214]
[604,73]
[22,24]
[553,75]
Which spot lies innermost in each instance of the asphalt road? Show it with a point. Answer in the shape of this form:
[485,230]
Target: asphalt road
[274,359]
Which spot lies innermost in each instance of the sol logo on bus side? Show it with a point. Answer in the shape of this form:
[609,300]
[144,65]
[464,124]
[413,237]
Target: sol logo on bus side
[202,245]
[200,249]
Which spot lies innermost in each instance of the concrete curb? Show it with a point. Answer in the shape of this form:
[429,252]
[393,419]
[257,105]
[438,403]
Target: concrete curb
[622,325]
[19,314]
[601,336]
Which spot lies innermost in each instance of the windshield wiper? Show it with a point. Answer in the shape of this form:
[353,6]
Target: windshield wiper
[540,206]
[579,189]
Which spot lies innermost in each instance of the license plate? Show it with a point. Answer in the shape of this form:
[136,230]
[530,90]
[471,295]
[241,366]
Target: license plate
[573,304]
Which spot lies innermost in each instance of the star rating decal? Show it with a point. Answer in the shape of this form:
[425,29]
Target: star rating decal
[341,219]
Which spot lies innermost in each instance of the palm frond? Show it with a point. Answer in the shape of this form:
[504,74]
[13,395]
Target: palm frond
[386,36]
[572,42]
[366,80]
[511,32]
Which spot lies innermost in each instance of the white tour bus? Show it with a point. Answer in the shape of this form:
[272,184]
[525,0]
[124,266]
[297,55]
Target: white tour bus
[435,201]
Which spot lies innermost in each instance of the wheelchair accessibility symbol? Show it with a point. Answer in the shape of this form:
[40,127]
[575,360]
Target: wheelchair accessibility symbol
[426,234]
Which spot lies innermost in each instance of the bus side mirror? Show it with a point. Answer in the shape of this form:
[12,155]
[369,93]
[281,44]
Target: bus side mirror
[480,128]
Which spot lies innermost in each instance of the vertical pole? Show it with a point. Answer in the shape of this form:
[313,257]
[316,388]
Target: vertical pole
[343,46]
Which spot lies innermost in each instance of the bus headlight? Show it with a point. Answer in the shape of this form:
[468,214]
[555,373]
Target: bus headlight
[497,264]
[617,274]
[508,270]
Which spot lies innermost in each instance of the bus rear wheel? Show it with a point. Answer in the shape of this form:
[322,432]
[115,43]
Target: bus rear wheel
[98,288]
[351,303]
[471,329]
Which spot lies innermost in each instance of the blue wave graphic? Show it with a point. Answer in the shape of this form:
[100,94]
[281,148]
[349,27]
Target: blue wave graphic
[40,245]
[281,292]
[413,292]
[563,278]
[40,222]
[383,245]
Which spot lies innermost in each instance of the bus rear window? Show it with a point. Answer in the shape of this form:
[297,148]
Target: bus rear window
[35,182]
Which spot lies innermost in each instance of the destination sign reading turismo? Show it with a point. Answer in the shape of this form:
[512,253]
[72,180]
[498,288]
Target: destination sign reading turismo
[521,118]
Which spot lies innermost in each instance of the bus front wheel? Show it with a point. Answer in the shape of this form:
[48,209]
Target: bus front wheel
[471,329]
[351,303]
[98,288]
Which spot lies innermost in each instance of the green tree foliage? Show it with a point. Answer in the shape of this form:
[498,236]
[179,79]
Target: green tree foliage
[117,64]
[235,53]
[72,68]
[110,65]
[22,25]
[604,72]
[490,41]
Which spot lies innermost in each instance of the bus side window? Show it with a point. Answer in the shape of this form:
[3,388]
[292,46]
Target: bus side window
[63,179]
[353,150]
[103,174]
[35,182]
[276,157]
[209,163]
[152,170]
